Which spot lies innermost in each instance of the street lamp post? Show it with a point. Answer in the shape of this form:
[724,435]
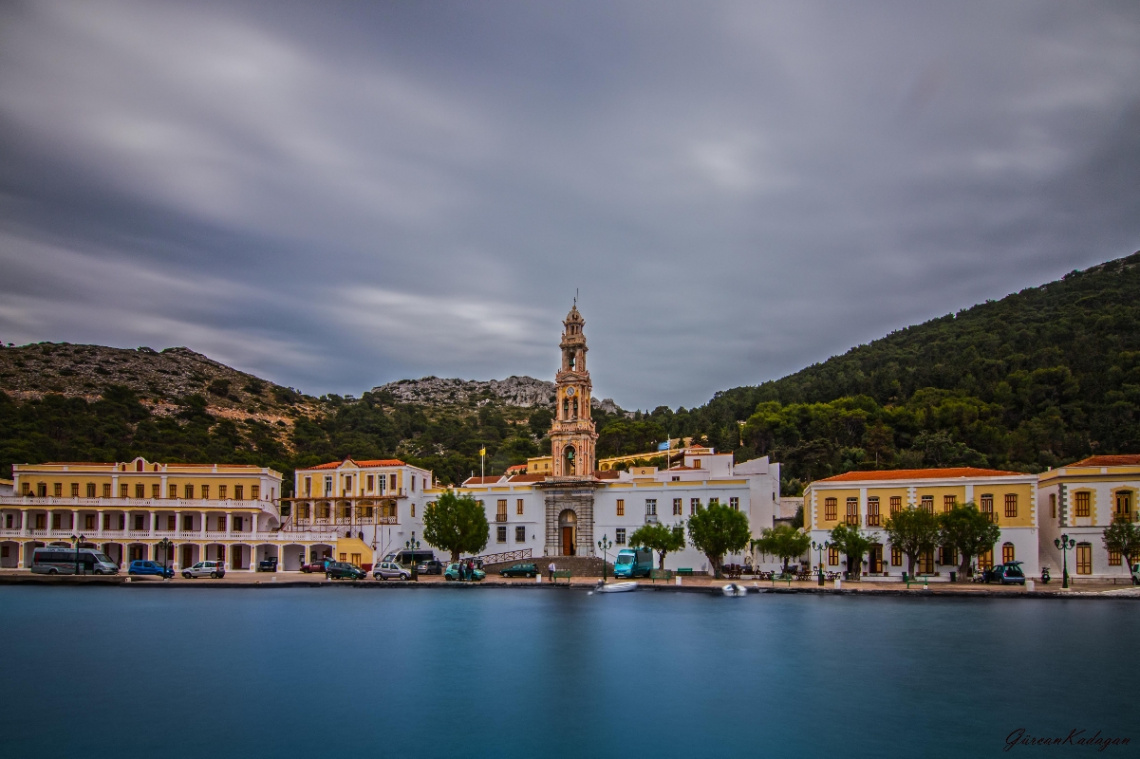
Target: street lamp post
[1065,543]
[76,540]
[412,545]
[166,544]
[820,548]
[604,545]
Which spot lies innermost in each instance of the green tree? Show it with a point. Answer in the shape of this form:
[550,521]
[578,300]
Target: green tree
[854,545]
[718,529]
[456,524]
[658,537]
[1123,535]
[783,541]
[967,531]
[912,531]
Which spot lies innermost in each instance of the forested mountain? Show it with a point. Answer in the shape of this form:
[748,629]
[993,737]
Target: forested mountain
[1040,378]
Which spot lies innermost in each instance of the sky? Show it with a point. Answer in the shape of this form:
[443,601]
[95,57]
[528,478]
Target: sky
[337,195]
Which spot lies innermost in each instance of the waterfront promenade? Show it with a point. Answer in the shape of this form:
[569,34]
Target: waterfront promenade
[695,584]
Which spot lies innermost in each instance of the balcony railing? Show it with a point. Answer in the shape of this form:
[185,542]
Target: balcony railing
[500,517]
[151,504]
[651,519]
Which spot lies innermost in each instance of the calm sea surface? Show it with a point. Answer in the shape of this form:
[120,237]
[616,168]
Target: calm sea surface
[465,672]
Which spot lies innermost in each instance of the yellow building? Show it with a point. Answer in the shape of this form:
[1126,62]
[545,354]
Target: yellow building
[225,512]
[868,499]
[1080,500]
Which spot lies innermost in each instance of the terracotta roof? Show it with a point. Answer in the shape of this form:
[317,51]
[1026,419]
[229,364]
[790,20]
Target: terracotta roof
[488,480]
[607,474]
[1127,459]
[921,474]
[528,478]
[370,462]
[516,468]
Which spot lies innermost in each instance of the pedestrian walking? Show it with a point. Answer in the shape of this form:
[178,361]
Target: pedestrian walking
[550,571]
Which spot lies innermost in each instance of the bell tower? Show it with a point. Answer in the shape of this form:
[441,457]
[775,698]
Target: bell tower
[572,435]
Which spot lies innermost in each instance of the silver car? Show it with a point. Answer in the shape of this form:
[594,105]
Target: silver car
[205,569]
[390,570]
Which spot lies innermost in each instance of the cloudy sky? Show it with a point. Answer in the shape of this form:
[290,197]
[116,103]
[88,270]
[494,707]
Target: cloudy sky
[336,195]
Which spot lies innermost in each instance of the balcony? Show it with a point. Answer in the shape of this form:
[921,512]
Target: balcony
[500,517]
[651,519]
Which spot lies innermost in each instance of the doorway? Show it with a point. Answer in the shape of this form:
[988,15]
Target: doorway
[568,528]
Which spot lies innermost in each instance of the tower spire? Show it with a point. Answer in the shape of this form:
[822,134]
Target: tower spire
[572,434]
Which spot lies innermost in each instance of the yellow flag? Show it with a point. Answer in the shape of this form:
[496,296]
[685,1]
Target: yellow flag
[482,451]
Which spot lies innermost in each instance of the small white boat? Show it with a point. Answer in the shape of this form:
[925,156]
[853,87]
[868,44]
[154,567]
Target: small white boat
[734,589]
[615,587]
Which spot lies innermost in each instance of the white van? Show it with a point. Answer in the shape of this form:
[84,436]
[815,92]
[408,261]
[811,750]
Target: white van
[61,560]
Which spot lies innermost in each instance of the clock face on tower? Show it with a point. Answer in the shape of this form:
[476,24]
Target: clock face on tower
[570,392]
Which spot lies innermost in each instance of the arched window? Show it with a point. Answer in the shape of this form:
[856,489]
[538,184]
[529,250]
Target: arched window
[565,408]
[568,460]
[1007,553]
[575,409]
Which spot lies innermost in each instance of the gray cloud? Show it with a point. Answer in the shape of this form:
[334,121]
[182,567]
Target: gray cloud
[342,195]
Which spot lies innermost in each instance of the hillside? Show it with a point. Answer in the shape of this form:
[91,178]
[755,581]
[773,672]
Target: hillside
[524,392]
[1039,378]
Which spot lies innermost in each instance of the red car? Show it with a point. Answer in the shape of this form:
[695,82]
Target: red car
[316,566]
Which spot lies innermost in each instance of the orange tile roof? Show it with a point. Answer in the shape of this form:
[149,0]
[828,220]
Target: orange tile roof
[921,474]
[369,462]
[517,468]
[1126,459]
[488,480]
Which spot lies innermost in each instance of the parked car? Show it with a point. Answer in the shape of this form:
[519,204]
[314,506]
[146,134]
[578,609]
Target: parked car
[316,566]
[430,567]
[390,570]
[342,570]
[205,569]
[267,565]
[452,573]
[519,570]
[142,567]
[1007,574]
[1136,574]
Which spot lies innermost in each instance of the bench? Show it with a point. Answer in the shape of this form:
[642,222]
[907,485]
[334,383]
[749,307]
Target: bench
[660,574]
[562,574]
[924,579]
[687,571]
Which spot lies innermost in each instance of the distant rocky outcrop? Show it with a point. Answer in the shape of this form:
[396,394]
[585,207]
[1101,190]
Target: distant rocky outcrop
[524,392]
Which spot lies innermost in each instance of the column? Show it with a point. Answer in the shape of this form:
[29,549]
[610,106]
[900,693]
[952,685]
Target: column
[99,522]
[75,521]
[153,526]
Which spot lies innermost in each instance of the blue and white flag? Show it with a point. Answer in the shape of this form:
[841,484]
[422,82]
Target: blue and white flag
[663,446]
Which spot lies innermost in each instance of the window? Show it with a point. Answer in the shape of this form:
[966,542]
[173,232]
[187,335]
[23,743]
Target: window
[696,463]
[832,556]
[501,534]
[139,522]
[239,492]
[328,484]
[205,492]
[1011,505]
[90,489]
[519,507]
[223,491]
[140,490]
[171,523]
[308,486]
[873,511]
[222,522]
[694,504]
[734,502]
[57,490]
[520,534]
[926,562]
[56,521]
[171,491]
[650,507]
[830,506]
[75,490]
[1007,553]
[347,484]
[1081,501]
[123,490]
[413,484]
[322,510]
[621,507]
[1053,505]
[927,504]
[619,536]
[370,482]
[392,483]
[714,500]
[852,511]
[988,506]
[106,490]
[412,512]
[947,555]
[189,490]
[26,488]
[1124,504]
[187,521]
[896,504]
[501,512]
[255,492]
[1113,558]
[1084,559]
[676,507]
[156,490]
[986,560]
[949,502]
[896,556]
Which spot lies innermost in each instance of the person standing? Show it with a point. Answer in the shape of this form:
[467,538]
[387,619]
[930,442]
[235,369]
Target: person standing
[550,571]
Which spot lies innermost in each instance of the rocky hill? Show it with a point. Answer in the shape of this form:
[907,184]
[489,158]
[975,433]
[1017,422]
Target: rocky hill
[524,392]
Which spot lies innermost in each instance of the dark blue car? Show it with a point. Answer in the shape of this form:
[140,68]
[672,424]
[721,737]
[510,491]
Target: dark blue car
[145,567]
